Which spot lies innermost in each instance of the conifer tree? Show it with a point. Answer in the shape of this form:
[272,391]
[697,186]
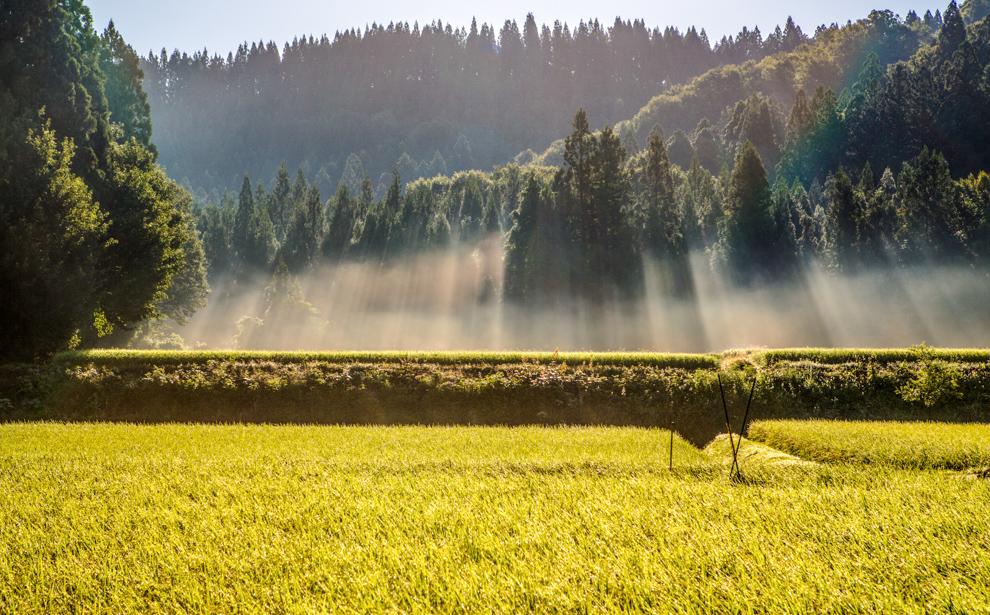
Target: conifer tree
[664,233]
[749,230]
[128,103]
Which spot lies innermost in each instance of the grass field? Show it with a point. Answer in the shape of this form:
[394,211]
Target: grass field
[194,518]
[904,445]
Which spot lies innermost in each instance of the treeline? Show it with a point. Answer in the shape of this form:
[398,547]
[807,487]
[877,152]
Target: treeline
[830,60]
[429,99]
[96,239]
[829,182]
[258,229]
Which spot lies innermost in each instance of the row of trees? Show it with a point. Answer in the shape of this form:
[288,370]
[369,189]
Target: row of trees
[760,190]
[585,230]
[96,239]
[436,98]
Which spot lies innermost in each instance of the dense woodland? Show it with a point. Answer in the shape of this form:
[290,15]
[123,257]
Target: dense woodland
[428,99]
[889,170]
[880,162]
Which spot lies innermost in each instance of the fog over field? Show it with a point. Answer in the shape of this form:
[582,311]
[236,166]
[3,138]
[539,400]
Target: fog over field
[451,300]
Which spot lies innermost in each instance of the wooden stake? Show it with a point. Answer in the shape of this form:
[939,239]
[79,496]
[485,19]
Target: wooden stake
[728,428]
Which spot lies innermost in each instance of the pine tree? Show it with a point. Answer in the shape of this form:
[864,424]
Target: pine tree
[302,242]
[128,103]
[664,233]
[801,120]
[520,246]
[953,32]
[280,203]
[242,220]
[843,219]
[749,231]
[928,210]
[340,229]
[615,268]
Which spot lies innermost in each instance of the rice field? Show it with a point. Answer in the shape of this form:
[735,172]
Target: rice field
[922,445]
[122,518]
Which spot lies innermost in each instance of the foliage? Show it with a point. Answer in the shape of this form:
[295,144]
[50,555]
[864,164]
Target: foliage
[756,242]
[828,60]
[832,356]
[140,357]
[490,388]
[51,231]
[97,239]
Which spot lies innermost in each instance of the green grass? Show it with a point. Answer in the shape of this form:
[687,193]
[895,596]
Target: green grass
[831,356]
[188,518]
[903,445]
[826,356]
[171,357]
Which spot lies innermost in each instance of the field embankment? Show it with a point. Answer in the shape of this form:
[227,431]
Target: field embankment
[902,445]
[630,389]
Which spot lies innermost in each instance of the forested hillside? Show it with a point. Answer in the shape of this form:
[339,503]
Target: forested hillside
[886,170]
[429,100]
[832,60]
[862,149]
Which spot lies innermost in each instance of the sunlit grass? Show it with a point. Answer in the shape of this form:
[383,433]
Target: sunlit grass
[905,445]
[184,518]
[658,359]
[876,355]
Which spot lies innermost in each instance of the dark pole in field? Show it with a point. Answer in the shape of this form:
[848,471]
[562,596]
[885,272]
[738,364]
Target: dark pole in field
[728,427]
[672,444]
[749,403]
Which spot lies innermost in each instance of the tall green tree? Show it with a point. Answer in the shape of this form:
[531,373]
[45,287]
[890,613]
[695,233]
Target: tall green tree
[51,59]
[664,236]
[52,233]
[340,228]
[128,103]
[928,211]
[302,242]
[750,231]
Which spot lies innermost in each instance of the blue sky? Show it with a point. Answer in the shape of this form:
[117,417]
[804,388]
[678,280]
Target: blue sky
[221,24]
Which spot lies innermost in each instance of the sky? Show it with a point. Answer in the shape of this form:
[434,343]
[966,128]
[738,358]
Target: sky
[220,25]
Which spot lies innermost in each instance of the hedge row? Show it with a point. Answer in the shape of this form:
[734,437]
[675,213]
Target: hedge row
[272,388]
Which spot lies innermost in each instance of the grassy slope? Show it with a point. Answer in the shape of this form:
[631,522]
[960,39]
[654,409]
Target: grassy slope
[904,445]
[204,519]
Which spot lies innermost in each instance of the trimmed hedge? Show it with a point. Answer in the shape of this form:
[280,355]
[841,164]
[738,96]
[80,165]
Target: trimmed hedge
[489,388]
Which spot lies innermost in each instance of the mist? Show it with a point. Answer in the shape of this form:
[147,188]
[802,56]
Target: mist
[450,300]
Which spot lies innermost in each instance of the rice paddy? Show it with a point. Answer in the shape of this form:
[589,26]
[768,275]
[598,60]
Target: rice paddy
[922,445]
[190,518]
